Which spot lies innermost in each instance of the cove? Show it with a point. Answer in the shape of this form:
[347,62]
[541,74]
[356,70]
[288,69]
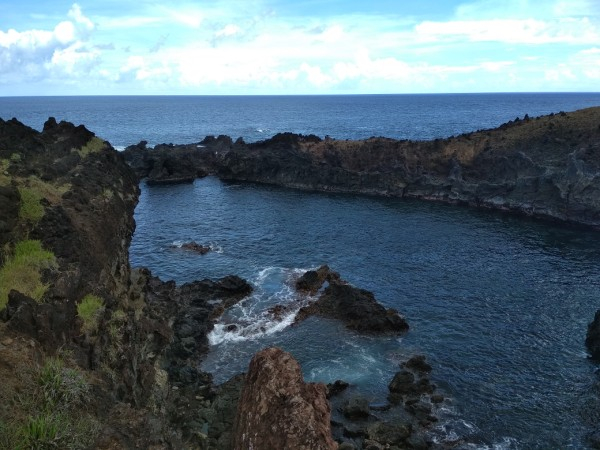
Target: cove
[499,304]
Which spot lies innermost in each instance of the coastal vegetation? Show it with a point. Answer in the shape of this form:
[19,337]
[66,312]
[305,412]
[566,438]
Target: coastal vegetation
[89,312]
[23,270]
[94,145]
[50,412]
[31,210]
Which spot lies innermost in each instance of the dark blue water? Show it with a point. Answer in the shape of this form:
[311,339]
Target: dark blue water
[127,120]
[499,304]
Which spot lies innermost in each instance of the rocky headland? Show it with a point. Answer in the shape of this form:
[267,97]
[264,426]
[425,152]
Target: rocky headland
[546,167]
[93,353]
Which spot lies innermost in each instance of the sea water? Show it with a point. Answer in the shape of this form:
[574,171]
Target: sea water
[498,304]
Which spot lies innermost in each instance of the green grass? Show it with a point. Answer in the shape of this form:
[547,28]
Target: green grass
[22,271]
[31,209]
[50,191]
[61,387]
[89,311]
[54,415]
[4,176]
[94,145]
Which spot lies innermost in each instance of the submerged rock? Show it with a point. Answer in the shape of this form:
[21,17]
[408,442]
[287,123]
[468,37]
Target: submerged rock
[195,247]
[278,410]
[592,340]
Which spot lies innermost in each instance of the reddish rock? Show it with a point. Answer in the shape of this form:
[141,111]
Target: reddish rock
[278,410]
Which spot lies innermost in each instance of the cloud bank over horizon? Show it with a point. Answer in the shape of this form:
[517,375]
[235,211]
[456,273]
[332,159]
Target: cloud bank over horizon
[302,47]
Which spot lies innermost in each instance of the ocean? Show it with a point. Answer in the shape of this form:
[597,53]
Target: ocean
[498,304]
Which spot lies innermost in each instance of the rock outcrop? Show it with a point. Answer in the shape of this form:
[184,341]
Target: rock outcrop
[356,308]
[278,410]
[546,167]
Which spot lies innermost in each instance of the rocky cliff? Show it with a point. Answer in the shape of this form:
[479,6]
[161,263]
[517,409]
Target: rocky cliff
[545,167]
[93,354]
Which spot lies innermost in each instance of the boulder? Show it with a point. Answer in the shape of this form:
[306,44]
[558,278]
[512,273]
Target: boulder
[278,410]
[336,388]
[356,408]
[418,364]
[406,385]
[389,433]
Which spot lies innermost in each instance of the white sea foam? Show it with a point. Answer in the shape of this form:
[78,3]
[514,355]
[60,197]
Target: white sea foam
[251,319]
[215,247]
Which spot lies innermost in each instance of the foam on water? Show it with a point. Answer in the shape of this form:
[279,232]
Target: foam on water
[253,317]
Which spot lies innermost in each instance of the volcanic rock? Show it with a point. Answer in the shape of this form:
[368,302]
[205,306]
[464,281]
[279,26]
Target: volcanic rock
[278,410]
[195,247]
[312,280]
[356,308]
[546,167]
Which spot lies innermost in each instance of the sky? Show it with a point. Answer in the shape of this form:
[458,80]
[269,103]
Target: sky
[264,47]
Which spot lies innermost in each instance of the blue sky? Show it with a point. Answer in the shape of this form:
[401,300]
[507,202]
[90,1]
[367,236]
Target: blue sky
[298,47]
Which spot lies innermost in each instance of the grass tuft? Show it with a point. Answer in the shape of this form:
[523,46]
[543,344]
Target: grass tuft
[94,145]
[49,191]
[89,311]
[22,271]
[54,412]
[31,209]
[4,175]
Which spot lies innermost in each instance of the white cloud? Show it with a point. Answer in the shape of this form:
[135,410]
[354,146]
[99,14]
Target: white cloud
[511,31]
[483,46]
[228,31]
[39,53]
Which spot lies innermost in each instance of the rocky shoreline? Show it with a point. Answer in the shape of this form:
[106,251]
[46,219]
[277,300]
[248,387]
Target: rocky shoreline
[546,167]
[106,356]
[117,350]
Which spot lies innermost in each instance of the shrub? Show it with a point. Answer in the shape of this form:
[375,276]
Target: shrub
[22,271]
[89,311]
[4,176]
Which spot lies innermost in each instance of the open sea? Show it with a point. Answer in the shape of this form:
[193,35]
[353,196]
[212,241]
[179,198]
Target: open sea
[498,304]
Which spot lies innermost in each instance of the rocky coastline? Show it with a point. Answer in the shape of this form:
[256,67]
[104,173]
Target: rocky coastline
[545,167]
[106,356]
[96,354]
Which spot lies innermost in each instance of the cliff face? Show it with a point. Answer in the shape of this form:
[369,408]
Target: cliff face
[277,409]
[544,167]
[94,354]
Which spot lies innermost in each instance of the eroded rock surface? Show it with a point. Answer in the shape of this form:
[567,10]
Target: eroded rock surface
[278,410]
